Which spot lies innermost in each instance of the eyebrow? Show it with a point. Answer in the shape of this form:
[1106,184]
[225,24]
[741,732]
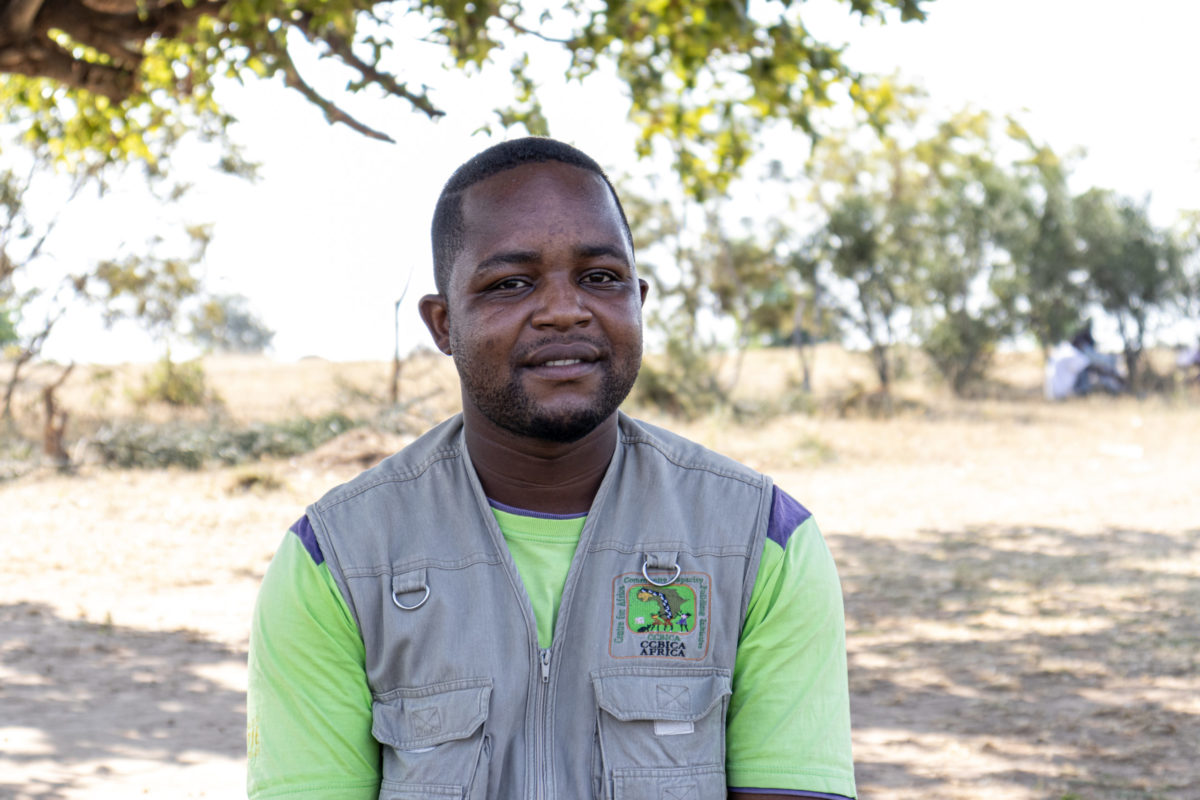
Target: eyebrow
[532,256]
[597,250]
[507,257]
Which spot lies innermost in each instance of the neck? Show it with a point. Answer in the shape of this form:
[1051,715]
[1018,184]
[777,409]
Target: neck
[537,475]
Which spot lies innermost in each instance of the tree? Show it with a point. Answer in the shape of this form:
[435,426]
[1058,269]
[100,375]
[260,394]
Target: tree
[870,247]
[968,282]
[1189,239]
[715,293]
[8,331]
[1051,284]
[1135,270]
[149,286]
[225,324]
[23,239]
[672,256]
[945,233]
[119,79]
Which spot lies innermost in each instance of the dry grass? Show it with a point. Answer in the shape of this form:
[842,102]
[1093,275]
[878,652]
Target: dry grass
[1022,584]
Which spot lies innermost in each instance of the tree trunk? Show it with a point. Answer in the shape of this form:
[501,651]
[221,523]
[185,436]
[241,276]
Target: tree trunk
[803,344]
[883,367]
[54,426]
[394,391]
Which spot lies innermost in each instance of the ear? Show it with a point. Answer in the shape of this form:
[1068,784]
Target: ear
[645,287]
[437,318]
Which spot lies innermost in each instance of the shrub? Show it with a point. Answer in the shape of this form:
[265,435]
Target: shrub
[684,384]
[181,384]
[192,445]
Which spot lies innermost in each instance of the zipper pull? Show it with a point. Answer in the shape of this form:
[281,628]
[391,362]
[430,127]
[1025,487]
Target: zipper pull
[544,656]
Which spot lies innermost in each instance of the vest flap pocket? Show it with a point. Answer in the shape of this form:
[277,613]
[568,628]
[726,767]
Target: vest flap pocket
[641,693]
[411,719]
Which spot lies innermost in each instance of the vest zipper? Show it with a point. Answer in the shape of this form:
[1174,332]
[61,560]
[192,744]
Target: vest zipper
[543,749]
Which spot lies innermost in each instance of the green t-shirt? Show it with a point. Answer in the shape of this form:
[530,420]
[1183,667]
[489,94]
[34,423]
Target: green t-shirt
[788,722]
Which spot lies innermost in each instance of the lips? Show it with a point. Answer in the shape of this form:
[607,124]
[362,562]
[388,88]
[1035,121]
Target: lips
[562,354]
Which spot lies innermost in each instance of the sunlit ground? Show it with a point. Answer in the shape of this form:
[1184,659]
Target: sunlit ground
[1022,586]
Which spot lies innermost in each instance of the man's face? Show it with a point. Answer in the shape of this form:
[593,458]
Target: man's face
[543,316]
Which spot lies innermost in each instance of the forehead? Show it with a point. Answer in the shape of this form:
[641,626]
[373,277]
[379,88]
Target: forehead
[526,185]
[537,205]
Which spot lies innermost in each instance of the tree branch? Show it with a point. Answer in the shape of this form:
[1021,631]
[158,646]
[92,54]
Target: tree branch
[31,349]
[512,23]
[17,18]
[77,185]
[121,6]
[386,81]
[114,27]
[45,59]
[83,22]
[333,113]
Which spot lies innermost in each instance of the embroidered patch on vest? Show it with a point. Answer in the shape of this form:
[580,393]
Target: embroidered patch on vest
[660,621]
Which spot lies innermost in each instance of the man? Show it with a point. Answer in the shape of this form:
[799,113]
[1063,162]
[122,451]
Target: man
[1188,359]
[1075,368]
[541,598]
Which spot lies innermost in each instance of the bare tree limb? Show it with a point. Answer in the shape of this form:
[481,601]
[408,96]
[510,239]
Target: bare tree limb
[76,185]
[386,81]
[511,22]
[333,113]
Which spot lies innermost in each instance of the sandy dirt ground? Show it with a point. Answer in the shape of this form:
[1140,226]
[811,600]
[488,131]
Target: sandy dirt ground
[1022,588]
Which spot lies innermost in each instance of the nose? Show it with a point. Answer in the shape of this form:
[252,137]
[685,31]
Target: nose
[561,304]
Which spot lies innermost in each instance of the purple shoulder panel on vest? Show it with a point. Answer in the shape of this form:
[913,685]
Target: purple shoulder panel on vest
[786,516]
[303,530]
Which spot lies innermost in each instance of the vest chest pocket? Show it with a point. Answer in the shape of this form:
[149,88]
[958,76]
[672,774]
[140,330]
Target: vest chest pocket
[661,733]
[433,740]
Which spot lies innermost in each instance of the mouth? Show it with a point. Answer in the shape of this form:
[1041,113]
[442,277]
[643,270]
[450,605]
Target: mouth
[562,369]
[560,354]
[563,361]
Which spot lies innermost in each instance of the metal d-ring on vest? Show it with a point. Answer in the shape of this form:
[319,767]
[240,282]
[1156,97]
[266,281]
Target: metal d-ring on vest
[421,602]
[407,583]
[667,582]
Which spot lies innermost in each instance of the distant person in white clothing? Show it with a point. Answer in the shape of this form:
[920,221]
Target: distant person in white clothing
[1188,361]
[1075,368]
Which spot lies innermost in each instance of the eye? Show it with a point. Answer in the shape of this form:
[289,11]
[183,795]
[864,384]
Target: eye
[509,285]
[599,278]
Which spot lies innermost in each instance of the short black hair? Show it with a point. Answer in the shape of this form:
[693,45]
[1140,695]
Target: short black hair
[447,229]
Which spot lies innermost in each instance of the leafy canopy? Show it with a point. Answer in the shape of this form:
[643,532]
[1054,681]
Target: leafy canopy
[120,80]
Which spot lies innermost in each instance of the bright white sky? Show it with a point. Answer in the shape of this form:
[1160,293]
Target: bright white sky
[323,243]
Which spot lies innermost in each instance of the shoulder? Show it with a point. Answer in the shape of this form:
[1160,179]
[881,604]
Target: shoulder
[439,444]
[302,529]
[787,515]
[671,448]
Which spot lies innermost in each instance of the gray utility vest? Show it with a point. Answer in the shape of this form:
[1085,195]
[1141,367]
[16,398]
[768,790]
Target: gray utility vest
[629,701]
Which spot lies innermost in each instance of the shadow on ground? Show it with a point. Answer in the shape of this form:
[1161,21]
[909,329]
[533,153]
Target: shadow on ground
[1053,663]
[79,695]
